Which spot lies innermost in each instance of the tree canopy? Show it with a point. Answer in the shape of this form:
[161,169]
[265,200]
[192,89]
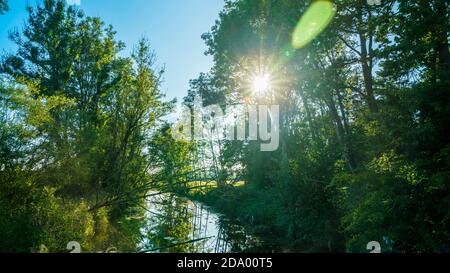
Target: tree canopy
[363,93]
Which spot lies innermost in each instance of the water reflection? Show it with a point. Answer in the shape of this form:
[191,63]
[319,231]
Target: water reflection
[178,225]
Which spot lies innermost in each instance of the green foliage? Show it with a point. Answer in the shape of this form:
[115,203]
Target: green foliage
[76,120]
[364,142]
[172,158]
[31,217]
[3,7]
[364,147]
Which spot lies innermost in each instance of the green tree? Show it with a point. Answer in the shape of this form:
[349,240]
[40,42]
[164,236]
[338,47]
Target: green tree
[3,7]
[76,121]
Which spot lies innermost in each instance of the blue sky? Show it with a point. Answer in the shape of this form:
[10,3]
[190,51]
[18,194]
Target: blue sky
[173,27]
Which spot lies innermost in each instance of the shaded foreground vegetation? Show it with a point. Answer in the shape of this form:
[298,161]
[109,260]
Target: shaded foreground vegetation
[75,120]
[364,146]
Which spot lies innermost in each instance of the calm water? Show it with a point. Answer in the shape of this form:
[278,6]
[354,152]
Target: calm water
[175,224]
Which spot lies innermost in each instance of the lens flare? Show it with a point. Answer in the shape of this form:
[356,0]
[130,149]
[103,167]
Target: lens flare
[312,23]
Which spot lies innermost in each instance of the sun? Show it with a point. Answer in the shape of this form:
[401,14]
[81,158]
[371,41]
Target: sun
[261,83]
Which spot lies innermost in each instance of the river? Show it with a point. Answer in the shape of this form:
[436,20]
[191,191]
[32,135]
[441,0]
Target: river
[177,225]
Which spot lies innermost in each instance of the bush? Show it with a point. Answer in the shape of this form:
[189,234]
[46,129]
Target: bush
[34,219]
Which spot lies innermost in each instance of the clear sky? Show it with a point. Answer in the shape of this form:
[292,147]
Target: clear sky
[173,27]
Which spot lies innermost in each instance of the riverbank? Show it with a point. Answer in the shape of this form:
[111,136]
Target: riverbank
[258,211]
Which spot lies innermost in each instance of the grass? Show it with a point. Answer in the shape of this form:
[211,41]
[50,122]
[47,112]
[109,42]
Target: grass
[202,188]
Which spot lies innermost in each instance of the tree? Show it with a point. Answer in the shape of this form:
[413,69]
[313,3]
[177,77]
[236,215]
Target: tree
[3,7]
[77,122]
[363,113]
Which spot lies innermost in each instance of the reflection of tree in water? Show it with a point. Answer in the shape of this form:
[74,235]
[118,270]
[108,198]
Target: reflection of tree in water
[223,235]
[169,225]
[177,225]
[233,238]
